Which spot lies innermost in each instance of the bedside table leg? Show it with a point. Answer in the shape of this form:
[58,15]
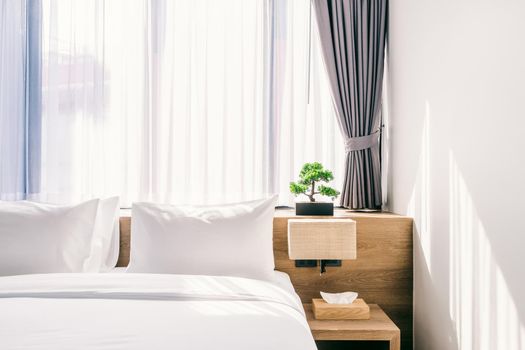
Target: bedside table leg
[395,342]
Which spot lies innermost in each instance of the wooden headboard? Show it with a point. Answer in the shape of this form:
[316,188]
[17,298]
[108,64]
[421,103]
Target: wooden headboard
[381,274]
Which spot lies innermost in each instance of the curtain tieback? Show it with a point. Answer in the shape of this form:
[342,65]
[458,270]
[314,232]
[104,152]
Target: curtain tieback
[362,142]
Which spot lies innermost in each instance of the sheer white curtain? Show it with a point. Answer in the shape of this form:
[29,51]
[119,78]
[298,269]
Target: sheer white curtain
[207,121]
[12,100]
[94,61]
[153,100]
[306,126]
[169,100]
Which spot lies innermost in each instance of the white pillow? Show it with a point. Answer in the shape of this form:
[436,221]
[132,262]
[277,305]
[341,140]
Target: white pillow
[229,240]
[45,238]
[106,237]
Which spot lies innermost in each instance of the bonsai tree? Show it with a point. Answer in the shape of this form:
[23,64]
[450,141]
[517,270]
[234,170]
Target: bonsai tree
[311,174]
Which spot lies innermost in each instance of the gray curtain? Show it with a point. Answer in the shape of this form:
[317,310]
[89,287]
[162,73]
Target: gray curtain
[352,34]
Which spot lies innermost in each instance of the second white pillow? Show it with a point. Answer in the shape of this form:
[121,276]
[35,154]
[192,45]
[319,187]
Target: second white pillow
[228,240]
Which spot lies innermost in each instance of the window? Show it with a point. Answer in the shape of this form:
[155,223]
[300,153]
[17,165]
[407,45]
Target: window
[180,101]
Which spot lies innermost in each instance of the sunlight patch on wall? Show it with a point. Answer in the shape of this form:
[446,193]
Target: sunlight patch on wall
[419,204]
[481,306]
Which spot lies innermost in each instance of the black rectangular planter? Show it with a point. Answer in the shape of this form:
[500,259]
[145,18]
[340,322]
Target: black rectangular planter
[314,208]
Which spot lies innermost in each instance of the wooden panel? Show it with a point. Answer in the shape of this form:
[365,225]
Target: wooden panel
[381,274]
[125,241]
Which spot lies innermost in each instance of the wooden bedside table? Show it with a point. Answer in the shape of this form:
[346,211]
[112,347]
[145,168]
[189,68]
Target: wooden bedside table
[378,327]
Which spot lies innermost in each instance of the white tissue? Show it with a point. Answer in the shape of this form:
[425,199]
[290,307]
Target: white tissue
[339,298]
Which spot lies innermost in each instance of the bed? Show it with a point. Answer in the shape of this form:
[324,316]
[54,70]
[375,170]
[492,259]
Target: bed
[150,311]
[198,278]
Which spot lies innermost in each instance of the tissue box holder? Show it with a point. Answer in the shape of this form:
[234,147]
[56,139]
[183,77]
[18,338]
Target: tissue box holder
[358,310]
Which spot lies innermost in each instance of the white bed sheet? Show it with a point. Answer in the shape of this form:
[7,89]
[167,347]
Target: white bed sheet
[279,278]
[148,311]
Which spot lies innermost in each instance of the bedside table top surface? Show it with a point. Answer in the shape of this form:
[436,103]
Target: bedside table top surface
[378,327]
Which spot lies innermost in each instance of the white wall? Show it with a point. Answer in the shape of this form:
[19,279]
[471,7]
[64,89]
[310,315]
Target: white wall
[457,134]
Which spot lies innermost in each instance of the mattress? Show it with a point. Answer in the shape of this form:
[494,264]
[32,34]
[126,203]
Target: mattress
[150,311]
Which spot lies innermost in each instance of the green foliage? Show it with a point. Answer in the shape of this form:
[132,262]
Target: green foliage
[327,191]
[309,175]
[314,172]
[298,188]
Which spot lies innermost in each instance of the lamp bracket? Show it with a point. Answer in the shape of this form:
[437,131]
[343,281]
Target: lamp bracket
[313,263]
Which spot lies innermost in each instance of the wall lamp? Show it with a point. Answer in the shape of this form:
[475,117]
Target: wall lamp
[325,240]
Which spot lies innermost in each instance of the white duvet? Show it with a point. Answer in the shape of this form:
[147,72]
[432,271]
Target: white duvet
[149,311]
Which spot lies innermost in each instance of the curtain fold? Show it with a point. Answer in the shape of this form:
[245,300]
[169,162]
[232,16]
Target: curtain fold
[353,34]
[33,96]
[305,123]
[12,100]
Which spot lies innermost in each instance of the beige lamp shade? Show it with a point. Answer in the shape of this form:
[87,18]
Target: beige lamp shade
[321,239]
